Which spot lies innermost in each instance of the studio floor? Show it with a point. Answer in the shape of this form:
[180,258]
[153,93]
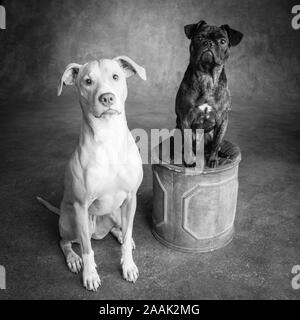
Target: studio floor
[38,137]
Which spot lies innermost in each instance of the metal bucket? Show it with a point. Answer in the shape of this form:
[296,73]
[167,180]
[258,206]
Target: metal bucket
[194,210]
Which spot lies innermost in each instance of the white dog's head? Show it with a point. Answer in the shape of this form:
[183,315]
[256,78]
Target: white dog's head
[102,84]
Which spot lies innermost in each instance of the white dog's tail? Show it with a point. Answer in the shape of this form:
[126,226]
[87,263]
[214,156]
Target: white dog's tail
[48,205]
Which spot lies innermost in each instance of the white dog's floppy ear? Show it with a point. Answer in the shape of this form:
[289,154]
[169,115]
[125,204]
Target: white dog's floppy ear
[130,67]
[69,76]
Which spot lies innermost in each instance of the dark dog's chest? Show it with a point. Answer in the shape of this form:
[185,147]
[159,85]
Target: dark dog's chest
[214,94]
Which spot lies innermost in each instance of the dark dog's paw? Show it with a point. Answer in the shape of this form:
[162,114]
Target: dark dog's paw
[213,163]
[190,165]
[189,160]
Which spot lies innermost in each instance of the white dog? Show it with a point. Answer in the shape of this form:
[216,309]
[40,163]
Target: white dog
[105,170]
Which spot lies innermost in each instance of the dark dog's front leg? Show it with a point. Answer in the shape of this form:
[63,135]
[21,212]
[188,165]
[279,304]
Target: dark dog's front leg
[219,134]
[189,158]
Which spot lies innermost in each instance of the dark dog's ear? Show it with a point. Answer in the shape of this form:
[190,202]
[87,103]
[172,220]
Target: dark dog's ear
[190,29]
[235,37]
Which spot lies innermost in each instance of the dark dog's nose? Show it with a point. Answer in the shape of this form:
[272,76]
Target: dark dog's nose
[107,99]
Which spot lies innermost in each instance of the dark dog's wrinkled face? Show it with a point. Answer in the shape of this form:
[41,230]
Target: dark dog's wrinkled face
[210,44]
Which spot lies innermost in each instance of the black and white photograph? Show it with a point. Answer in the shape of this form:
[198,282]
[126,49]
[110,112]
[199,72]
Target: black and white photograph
[149,151]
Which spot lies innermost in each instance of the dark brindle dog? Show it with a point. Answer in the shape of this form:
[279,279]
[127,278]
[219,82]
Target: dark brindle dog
[203,99]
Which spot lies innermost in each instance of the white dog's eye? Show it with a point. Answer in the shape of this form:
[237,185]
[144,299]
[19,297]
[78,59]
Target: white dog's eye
[223,41]
[115,77]
[88,81]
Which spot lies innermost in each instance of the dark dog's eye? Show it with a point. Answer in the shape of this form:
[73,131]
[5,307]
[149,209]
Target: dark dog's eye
[223,41]
[88,81]
[115,77]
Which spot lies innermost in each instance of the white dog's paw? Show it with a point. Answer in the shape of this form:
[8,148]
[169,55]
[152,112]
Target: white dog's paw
[130,271]
[74,262]
[91,280]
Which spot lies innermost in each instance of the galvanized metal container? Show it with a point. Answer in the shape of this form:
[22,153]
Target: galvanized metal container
[194,210]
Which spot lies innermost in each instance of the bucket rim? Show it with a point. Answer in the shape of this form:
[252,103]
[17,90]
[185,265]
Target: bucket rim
[206,170]
[196,171]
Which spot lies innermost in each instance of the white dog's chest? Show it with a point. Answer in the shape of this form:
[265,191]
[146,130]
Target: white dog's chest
[109,180]
[109,196]
[108,203]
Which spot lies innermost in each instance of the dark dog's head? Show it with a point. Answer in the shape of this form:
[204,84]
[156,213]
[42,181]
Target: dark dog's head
[210,44]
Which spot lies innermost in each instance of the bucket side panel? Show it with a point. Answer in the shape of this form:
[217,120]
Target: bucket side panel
[162,193]
[209,210]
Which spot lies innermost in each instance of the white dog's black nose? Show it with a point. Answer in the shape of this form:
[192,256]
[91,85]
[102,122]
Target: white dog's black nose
[107,99]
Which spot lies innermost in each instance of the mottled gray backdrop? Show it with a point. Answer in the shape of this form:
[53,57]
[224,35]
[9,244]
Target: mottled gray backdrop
[43,36]
[39,131]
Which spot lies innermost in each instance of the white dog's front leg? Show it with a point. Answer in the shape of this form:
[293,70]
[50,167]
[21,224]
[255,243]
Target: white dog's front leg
[130,270]
[91,279]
